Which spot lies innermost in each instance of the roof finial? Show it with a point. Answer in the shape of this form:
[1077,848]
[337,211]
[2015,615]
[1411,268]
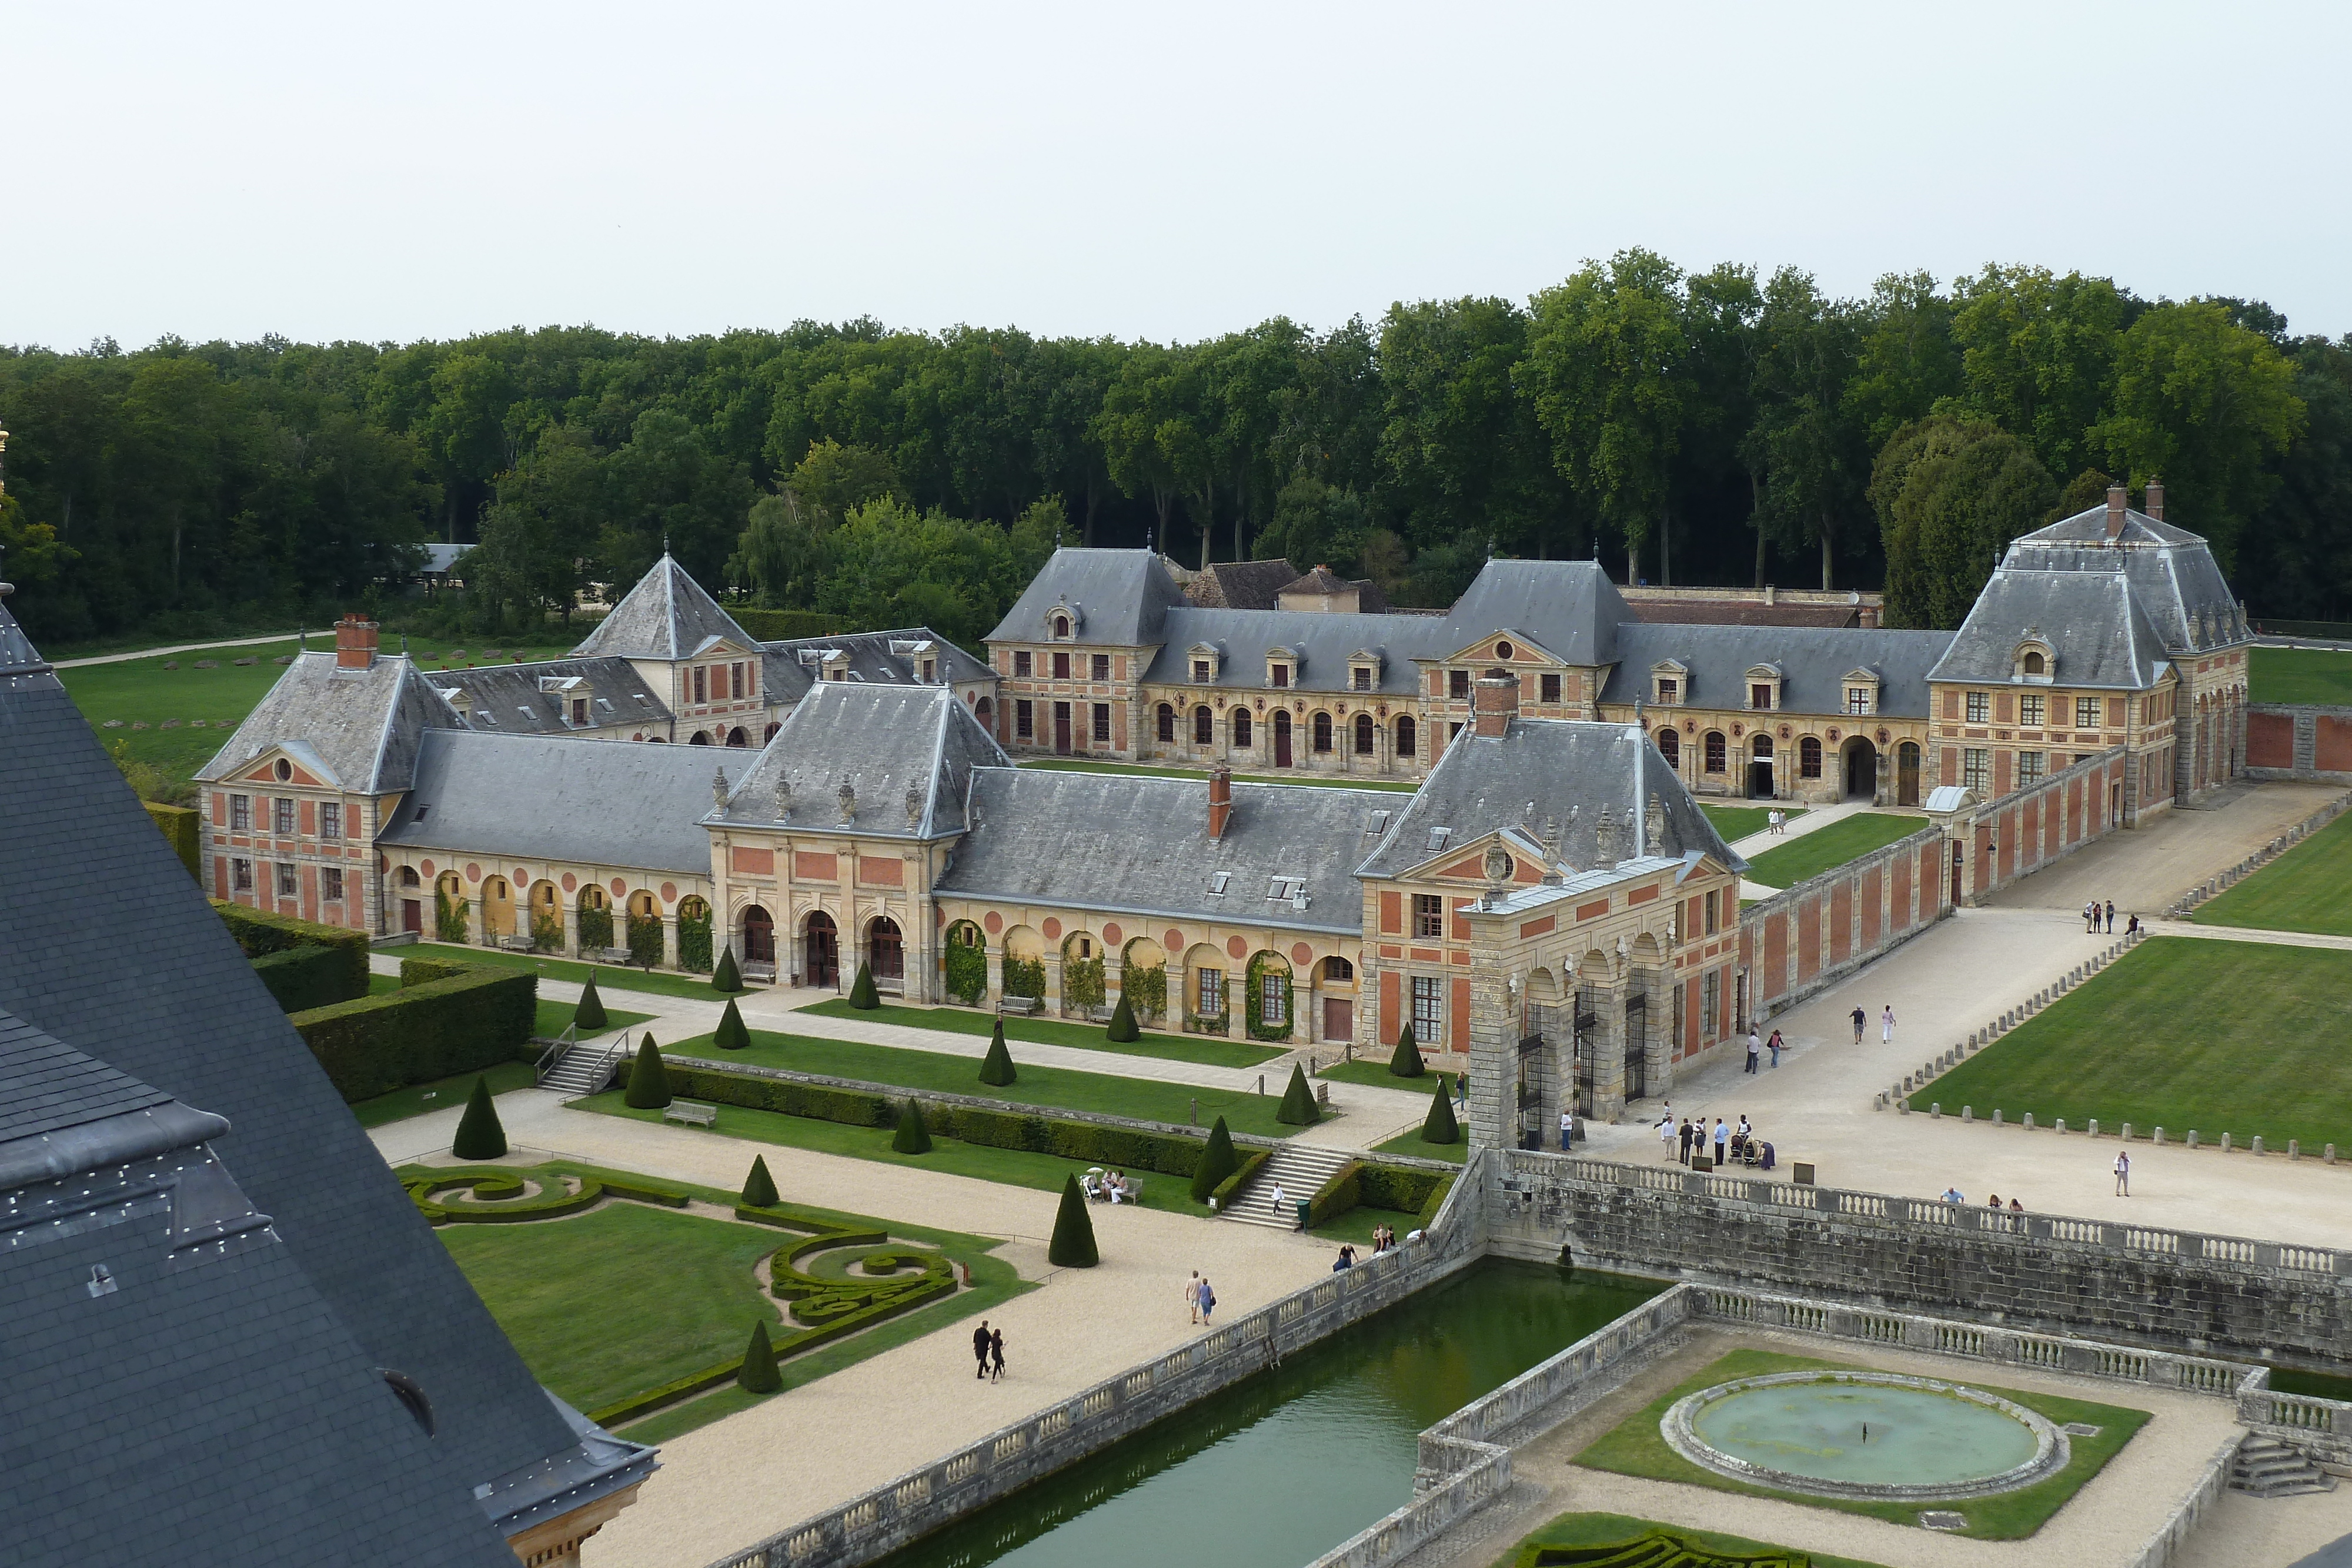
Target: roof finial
[913,806]
[719,791]
[665,544]
[848,797]
[784,798]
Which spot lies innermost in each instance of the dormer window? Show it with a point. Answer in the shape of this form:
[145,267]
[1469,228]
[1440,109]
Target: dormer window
[1200,671]
[1364,669]
[1064,621]
[580,710]
[1061,628]
[929,665]
[1278,674]
[1282,667]
[1860,691]
[1763,687]
[1361,678]
[2035,660]
[1669,682]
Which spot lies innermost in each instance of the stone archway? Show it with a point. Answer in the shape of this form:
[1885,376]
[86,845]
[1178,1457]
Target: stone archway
[1860,763]
[820,950]
[886,952]
[759,935]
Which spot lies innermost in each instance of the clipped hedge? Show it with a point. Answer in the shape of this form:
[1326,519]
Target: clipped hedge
[505,1188]
[847,1106]
[1337,1195]
[424,971]
[259,934]
[1223,1197]
[1395,1188]
[373,1045]
[305,977]
[179,828]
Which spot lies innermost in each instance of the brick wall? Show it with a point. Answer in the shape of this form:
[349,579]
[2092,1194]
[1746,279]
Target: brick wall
[2299,741]
[1807,937]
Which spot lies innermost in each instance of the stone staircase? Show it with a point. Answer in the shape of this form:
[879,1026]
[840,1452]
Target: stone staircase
[2268,1467]
[1302,1171]
[587,1069]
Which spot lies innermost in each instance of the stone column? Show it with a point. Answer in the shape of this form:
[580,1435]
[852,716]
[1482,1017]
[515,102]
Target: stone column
[477,918]
[1493,1037]
[1655,981]
[995,973]
[1115,977]
[570,911]
[669,941]
[1053,961]
[1608,1048]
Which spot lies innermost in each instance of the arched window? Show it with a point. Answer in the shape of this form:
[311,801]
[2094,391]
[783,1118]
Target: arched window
[1808,757]
[408,876]
[1714,752]
[1363,735]
[1204,725]
[737,738]
[1322,732]
[2034,665]
[1061,627]
[1242,728]
[1404,736]
[700,738]
[1763,749]
[1670,747]
[1168,723]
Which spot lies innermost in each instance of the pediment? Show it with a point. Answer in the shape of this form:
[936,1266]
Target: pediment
[1522,651]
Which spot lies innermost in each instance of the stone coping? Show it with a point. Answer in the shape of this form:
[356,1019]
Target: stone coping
[2050,1450]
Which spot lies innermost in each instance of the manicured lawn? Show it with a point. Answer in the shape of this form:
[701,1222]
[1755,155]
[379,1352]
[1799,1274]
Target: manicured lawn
[1071,765]
[1635,1447]
[1846,840]
[1376,1073]
[2244,1038]
[554,1018]
[1204,1048]
[440,1095]
[2309,888]
[1607,1529]
[1057,1087]
[608,977]
[1738,821]
[2320,675]
[982,1161]
[1409,1142]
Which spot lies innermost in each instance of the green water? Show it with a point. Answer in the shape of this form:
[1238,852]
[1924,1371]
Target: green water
[1861,1432]
[1276,1470]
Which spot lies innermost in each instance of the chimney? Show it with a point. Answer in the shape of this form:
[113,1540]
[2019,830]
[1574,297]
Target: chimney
[354,644]
[1221,799]
[2115,512]
[1494,704]
[2154,507]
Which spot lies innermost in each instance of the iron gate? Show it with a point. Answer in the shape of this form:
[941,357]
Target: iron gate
[1637,1047]
[1587,1022]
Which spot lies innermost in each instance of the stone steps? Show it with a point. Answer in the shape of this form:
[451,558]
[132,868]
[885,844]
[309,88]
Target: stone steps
[587,1069]
[1302,1171]
[2268,1467]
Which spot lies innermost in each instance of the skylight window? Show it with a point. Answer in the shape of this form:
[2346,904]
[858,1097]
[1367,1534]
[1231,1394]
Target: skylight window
[1379,824]
[1437,837]
[489,717]
[1217,879]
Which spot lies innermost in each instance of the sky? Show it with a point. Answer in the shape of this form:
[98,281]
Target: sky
[1140,171]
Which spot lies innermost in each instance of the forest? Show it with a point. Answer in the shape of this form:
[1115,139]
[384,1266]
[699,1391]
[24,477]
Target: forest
[1686,427]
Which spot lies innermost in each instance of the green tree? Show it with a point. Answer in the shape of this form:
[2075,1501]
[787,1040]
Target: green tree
[479,1135]
[1459,449]
[758,1373]
[1073,1243]
[861,991]
[548,504]
[588,1013]
[912,1138]
[1298,1109]
[727,979]
[997,1067]
[649,1079]
[1406,1060]
[1121,1027]
[2037,353]
[1439,1126]
[1950,493]
[838,479]
[730,1034]
[784,552]
[1806,441]
[1906,362]
[1218,1160]
[759,1187]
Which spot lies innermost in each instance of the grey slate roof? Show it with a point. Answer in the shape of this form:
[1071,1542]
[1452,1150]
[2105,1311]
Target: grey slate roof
[1813,663]
[1564,771]
[609,803]
[884,740]
[1324,643]
[2094,622]
[1570,607]
[45,1084]
[666,616]
[2172,571]
[232,1413]
[1133,844]
[1239,584]
[361,725]
[511,694]
[871,661]
[1120,595]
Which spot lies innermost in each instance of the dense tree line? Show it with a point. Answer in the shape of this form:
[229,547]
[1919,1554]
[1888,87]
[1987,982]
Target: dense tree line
[1688,427]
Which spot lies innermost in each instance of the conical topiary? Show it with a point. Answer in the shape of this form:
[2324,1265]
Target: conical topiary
[996,1068]
[1297,1100]
[589,1015]
[862,993]
[1218,1160]
[648,1080]
[759,1371]
[1073,1245]
[730,1034]
[1407,1062]
[1122,1022]
[1440,1127]
[479,1137]
[912,1138]
[727,979]
[759,1188]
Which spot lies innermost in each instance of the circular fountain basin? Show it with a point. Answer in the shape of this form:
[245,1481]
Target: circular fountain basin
[1869,1436]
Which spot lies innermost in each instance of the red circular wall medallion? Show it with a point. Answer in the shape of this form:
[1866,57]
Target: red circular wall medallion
[570,881]
[473,872]
[1301,954]
[1053,929]
[1236,947]
[1112,935]
[1174,941]
[669,892]
[426,868]
[995,923]
[619,888]
[521,877]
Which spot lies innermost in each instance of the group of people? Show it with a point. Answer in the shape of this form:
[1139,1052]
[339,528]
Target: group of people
[1757,1047]
[1776,821]
[1953,1196]
[1886,1024]
[1111,1187]
[1737,1142]
[1200,1297]
[2100,918]
[988,1347]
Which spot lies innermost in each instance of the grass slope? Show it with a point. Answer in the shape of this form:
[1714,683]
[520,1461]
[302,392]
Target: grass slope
[1607,1529]
[2320,675]
[1055,1088]
[2309,888]
[1849,839]
[1635,1447]
[2244,1038]
[1070,765]
[1202,1049]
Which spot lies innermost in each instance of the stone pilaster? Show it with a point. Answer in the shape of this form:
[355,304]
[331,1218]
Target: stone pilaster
[995,974]
[1493,1037]
[1608,1047]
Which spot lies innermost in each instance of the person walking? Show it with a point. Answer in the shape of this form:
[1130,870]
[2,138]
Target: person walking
[1275,1203]
[1462,1091]
[2123,1173]
[1886,1026]
[996,1355]
[1567,1127]
[1755,1047]
[1775,1044]
[1666,1136]
[2111,917]
[1861,1023]
[1192,1296]
[979,1347]
[1208,1300]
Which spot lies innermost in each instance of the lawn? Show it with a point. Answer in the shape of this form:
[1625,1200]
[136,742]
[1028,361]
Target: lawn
[1736,822]
[1848,839]
[1635,1447]
[440,1095]
[2309,888]
[1206,1049]
[554,1018]
[1058,1088]
[608,976]
[1375,1074]
[1072,765]
[1607,1529]
[1409,1142]
[2318,675]
[2181,1033]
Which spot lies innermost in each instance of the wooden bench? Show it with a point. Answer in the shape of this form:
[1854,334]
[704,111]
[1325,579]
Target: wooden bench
[755,970]
[620,955]
[1025,1006]
[516,944]
[691,1111]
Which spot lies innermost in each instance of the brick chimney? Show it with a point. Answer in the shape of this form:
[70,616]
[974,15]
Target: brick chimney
[354,644]
[1494,704]
[1221,799]
[2115,512]
[2154,507]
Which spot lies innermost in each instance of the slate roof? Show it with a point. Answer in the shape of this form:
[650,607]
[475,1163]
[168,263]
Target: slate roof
[511,696]
[1239,584]
[231,1413]
[47,1085]
[361,725]
[1570,607]
[875,658]
[667,616]
[1323,643]
[883,740]
[1121,596]
[1563,771]
[614,802]
[1813,663]
[2096,624]
[1741,613]
[2172,572]
[1134,844]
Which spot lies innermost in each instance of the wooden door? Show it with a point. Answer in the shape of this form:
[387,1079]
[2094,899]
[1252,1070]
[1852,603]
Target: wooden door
[412,915]
[1281,739]
[1338,1018]
[1061,729]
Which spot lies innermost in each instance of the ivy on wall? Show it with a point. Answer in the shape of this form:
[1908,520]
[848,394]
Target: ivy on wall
[1025,977]
[449,922]
[1082,982]
[694,941]
[1260,966]
[967,972]
[547,931]
[644,940]
[1145,990]
[596,928]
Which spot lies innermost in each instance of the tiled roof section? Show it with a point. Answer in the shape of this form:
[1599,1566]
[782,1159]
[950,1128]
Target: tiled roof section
[1132,844]
[1550,772]
[17,655]
[1324,644]
[361,725]
[883,741]
[536,699]
[1813,663]
[1322,579]
[2171,571]
[667,616]
[1742,613]
[874,658]
[46,1085]
[609,803]
[1570,607]
[1239,584]
[1120,596]
[2093,622]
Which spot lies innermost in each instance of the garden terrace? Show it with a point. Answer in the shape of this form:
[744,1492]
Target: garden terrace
[2308,888]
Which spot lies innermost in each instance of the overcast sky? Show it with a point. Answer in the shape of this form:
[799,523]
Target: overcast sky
[346,171]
